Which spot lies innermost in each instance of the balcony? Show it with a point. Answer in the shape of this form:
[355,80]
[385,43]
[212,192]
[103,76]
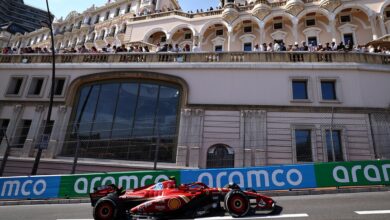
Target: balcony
[228,57]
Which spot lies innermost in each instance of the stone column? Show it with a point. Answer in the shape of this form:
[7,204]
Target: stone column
[253,137]
[12,125]
[332,27]
[59,132]
[158,5]
[169,38]
[190,138]
[373,27]
[382,25]
[262,32]
[230,36]
[35,131]
[295,30]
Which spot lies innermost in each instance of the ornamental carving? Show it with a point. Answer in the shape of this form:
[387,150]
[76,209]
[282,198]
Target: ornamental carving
[294,7]
[230,13]
[261,11]
[330,5]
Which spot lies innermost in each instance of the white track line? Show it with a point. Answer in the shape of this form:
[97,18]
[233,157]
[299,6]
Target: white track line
[302,215]
[373,212]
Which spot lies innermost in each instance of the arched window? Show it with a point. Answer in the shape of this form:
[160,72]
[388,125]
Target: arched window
[220,156]
[125,121]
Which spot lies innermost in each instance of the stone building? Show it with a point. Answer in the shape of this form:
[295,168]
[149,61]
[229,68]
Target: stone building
[220,106]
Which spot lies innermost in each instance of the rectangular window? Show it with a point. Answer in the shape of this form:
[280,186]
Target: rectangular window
[278,25]
[299,88]
[348,38]
[219,32]
[388,14]
[128,8]
[163,39]
[303,145]
[310,22]
[59,85]
[248,47]
[312,41]
[36,86]
[218,48]
[3,128]
[335,151]
[107,15]
[117,12]
[328,89]
[97,19]
[187,36]
[345,18]
[15,86]
[248,29]
[21,134]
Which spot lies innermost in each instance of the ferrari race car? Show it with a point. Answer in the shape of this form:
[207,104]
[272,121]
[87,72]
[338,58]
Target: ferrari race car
[165,200]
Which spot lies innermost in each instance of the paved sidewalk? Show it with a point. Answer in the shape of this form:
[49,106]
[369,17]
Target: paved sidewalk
[315,191]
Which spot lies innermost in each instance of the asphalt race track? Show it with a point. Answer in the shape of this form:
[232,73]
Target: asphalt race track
[363,206]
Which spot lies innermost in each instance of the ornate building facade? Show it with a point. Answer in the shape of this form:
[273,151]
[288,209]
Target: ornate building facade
[231,28]
[221,106]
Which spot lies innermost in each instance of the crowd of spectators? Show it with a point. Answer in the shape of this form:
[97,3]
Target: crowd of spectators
[280,46]
[276,46]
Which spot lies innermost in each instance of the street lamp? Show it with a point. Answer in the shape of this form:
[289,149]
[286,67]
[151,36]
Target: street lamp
[43,139]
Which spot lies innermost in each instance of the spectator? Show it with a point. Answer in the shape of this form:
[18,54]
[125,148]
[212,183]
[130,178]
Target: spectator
[176,48]
[270,48]
[327,47]
[333,46]
[146,49]
[341,47]
[295,47]
[195,48]
[304,47]
[290,47]
[170,48]
[94,50]
[282,46]
[159,47]
[256,48]
[276,46]
[263,47]
[83,49]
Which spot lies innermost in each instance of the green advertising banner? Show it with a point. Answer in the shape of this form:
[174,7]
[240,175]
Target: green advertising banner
[81,185]
[362,173]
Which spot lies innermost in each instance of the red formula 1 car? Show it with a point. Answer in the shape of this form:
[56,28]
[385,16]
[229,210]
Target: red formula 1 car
[167,201]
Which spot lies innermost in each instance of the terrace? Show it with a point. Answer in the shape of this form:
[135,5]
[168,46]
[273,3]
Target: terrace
[206,57]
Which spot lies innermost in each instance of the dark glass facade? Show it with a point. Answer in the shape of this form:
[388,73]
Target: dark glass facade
[24,17]
[125,120]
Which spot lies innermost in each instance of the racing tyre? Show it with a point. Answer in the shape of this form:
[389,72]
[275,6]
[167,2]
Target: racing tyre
[105,209]
[237,203]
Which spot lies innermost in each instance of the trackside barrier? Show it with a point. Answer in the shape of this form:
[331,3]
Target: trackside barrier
[82,185]
[361,173]
[257,178]
[37,187]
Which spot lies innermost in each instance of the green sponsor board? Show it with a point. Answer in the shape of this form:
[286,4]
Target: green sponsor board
[82,185]
[360,173]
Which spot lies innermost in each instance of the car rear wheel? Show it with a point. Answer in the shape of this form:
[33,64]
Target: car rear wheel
[105,209]
[237,203]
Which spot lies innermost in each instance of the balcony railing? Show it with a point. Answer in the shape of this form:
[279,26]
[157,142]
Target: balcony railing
[250,57]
